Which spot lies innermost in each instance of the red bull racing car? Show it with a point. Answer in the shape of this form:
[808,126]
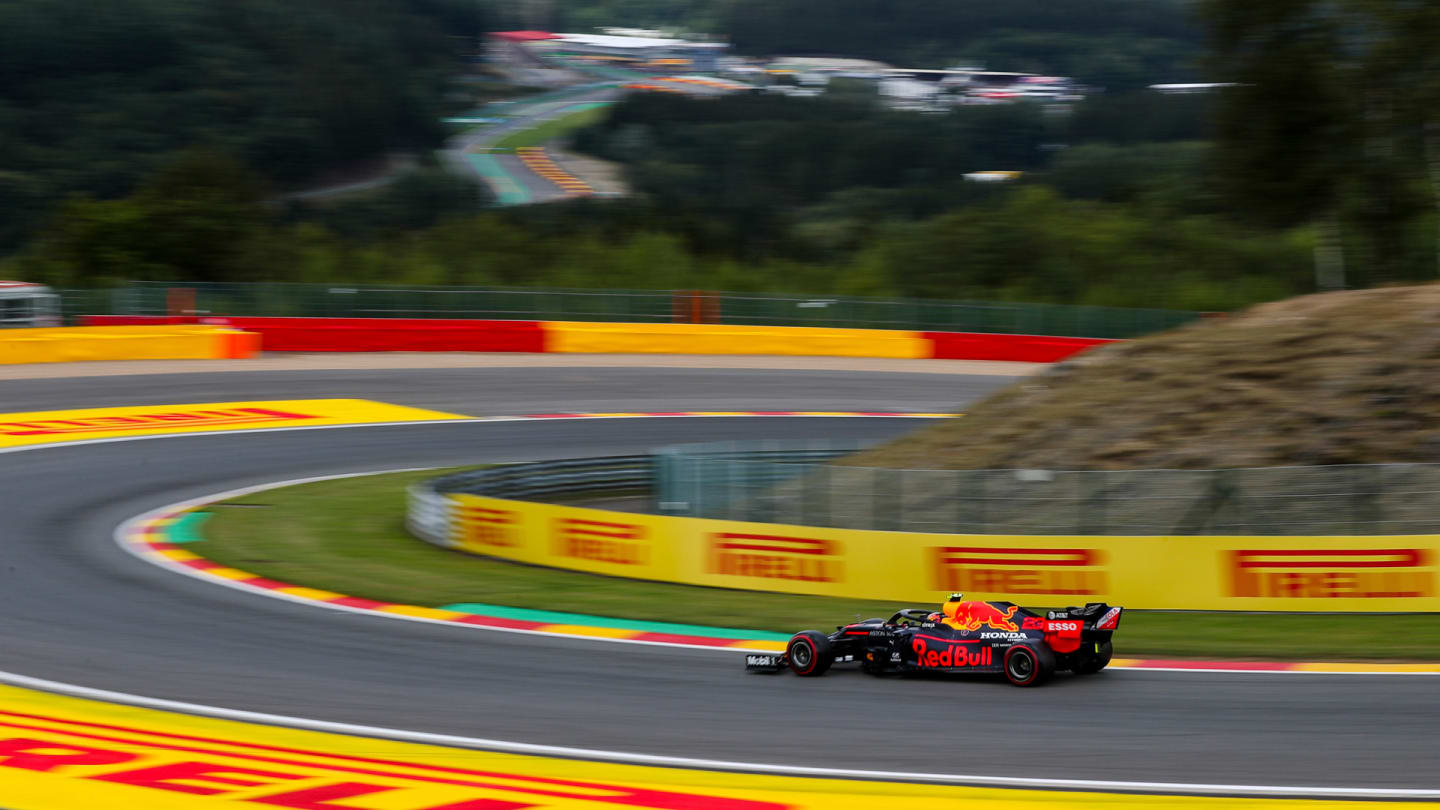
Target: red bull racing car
[964,636]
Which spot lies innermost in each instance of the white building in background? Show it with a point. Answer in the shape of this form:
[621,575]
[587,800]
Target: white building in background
[699,56]
[903,89]
[914,88]
[993,177]
[1193,87]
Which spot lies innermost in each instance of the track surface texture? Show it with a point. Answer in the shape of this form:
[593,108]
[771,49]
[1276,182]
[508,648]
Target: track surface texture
[80,610]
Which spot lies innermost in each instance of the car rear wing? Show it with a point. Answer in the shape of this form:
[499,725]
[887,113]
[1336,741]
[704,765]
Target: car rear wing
[1094,616]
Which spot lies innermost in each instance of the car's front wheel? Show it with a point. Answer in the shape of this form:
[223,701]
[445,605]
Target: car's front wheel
[1028,666]
[810,653]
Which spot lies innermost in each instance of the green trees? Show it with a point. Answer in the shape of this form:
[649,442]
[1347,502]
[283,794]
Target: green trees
[1406,63]
[791,152]
[194,219]
[1288,129]
[1333,122]
[96,96]
[1033,245]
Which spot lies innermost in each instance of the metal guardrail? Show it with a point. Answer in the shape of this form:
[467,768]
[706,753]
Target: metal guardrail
[542,479]
[647,306]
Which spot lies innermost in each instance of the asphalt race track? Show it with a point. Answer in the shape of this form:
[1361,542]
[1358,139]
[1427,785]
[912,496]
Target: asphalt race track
[78,609]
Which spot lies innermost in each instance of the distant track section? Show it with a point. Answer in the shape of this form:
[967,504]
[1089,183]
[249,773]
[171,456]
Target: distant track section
[475,152]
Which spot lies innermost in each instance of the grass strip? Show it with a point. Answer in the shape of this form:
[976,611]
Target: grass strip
[348,536]
[552,129]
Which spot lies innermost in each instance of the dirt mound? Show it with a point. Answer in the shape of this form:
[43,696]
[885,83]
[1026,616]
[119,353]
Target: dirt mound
[1337,378]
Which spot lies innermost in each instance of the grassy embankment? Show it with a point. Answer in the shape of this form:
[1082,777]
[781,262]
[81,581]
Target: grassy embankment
[346,536]
[1320,380]
[552,129]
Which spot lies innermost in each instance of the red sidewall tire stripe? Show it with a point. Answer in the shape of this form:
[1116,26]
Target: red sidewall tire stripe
[1034,665]
[814,655]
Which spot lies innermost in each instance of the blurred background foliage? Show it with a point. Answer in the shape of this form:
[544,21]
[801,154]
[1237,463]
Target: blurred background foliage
[156,139]
[95,97]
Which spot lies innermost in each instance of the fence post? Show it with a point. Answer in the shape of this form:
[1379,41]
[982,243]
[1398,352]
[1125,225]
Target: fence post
[882,499]
[1091,502]
[730,482]
[698,507]
[180,301]
[898,511]
[757,483]
[659,482]
[814,487]
[969,505]
[1201,512]
[1367,488]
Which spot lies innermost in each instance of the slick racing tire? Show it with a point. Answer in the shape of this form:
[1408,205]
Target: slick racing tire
[810,653]
[1096,661]
[1026,665]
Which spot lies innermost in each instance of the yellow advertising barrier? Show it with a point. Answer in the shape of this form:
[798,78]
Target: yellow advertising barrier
[1171,573]
[164,342]
[684,338]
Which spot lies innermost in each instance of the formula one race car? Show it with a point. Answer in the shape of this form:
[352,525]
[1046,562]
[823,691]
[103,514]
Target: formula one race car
[981,637]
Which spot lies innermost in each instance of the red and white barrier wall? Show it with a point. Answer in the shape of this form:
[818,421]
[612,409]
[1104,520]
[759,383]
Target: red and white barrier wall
[440,335]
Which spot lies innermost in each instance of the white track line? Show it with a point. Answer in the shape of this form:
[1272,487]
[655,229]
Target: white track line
[455,741]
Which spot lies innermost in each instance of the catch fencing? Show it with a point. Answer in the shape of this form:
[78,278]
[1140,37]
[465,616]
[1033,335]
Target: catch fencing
[779,482]
[484,513]
[538,480]
[644,306]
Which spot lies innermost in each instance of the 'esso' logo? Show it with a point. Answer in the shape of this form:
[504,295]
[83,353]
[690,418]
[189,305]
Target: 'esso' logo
[1061,627]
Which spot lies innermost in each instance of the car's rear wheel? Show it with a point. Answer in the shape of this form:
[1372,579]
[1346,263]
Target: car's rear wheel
[1028,666]
[810,653]
[1092,663]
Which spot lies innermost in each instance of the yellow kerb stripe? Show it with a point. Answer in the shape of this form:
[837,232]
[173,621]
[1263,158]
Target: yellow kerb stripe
[773,646]
[421,612]
[229,573]
[310,593]
[178,555]
[581,630]
[1357,667]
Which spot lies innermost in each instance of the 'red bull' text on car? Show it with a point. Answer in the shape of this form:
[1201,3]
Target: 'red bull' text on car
[963,636]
